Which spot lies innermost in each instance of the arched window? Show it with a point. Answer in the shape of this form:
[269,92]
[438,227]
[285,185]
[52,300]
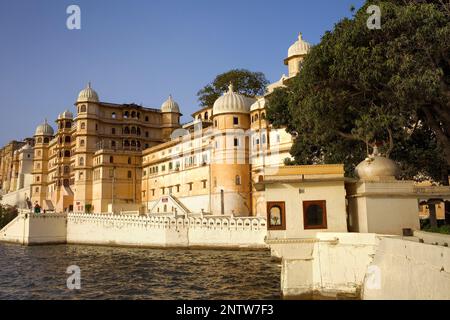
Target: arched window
[129,160]
[146,119]
[126,130]
[83,126]
[138,131]
[83,108]
[253,119]
[82,143]
[206,115]
[66,169]
[133,130]
[133,143]
[256,117]
[314,215]
[67,139]
[67,154]
[60,140]
[113,144]
[68,124]
[113,115]
[138,143]
[126,115]
[60,154]
[46,140]
[81,161]
[199,117]
[263,115]
[133,114]
[66,182]
[39,140]
[126,143]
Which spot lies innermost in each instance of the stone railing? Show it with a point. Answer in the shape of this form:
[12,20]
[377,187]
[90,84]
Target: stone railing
[230,223]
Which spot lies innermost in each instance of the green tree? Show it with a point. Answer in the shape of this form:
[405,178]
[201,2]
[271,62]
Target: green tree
[245,82]
[361,87]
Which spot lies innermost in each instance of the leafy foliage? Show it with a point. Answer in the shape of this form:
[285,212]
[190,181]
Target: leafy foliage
[360,87]
[245,82]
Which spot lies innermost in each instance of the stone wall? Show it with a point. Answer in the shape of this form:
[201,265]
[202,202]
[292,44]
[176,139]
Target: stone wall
[31,229]
[225,232]
[407,270]
[331,264]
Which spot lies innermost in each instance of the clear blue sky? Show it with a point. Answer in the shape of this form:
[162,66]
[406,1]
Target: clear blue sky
[141,51]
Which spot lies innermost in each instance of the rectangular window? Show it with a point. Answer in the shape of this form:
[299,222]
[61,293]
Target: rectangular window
[235,121]
[204,183]
[315,214]
[190,186]
[276,216]
[236,142]
[129,175]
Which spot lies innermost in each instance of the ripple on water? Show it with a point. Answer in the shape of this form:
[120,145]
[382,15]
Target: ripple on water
[132,273]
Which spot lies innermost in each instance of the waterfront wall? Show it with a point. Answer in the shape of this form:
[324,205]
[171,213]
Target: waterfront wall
[227,232]
[32,229]
[331,264]
[407,270]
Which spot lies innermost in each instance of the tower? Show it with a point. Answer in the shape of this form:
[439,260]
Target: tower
[230,165]
[85,142]
[296,54]
[170,113]
[43,135]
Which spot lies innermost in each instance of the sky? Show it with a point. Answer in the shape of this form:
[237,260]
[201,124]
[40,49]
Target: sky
[140,51]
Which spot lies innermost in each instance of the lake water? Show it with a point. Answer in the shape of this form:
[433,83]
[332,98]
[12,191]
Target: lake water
[127,273]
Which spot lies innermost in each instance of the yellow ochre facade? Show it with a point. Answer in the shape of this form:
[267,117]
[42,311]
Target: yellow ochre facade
[116,158]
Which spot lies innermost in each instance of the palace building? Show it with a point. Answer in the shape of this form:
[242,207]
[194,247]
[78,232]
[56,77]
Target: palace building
[129,158]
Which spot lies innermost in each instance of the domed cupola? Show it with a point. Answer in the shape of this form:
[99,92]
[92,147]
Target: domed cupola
[87,95]
[232,102]
[376,167]
[299,48]
[44,130]
[170,106]
[65,115]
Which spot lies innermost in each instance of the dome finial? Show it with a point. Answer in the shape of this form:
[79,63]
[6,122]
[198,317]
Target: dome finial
[300,36]
[375,152]
[89,85]
[230,87]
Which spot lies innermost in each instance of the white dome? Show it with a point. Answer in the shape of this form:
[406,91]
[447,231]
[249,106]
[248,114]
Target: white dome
[170,106]
[26,147]
[299,48]
[376,167]
[66,115]
[258,105]
[44,130]
[232,102]
[88,95]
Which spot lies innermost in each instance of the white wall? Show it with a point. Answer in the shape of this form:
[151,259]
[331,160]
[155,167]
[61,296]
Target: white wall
[36,229]
[331,264]
[332,192]
[166,231]
[409,271]
[16,198]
